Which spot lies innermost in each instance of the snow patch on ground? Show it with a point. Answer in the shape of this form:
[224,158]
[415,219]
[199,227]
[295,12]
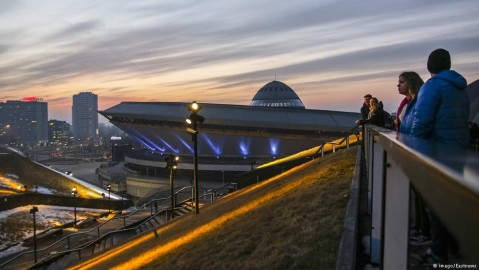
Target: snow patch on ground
[16,224]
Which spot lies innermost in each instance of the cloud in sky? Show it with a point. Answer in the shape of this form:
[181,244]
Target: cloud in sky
[331,52]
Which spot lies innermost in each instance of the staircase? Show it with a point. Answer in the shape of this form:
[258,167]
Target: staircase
[114,237]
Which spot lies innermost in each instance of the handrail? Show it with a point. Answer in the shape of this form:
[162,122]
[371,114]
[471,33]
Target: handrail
[97,228]
[446,177]
[95,241]
[351,132]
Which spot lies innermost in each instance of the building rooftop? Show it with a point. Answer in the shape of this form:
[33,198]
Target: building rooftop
[277,94]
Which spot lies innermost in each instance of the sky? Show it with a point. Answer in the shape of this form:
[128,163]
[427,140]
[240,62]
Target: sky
[330,52]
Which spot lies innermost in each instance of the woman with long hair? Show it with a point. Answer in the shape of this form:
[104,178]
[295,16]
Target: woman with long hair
[409,83]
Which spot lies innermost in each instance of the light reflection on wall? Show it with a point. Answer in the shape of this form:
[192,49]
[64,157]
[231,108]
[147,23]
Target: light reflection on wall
[216,148]
[184,143]
[273,146]
[216,144]
[244,146]
[175,150]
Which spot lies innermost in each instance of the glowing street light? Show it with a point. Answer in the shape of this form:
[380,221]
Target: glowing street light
[171,164]
[74,194]
[33,211]
[109,197]
[193,119]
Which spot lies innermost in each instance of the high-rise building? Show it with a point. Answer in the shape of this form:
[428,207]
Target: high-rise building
[24,121]
[58,131]
[85,115]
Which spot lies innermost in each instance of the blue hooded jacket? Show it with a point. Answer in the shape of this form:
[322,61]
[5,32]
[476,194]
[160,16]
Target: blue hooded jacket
[442,110]
[406,123]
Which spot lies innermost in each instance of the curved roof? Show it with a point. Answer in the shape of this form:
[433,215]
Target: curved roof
[229,130]
[277,94]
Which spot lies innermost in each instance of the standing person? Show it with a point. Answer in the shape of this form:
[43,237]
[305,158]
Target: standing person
[441,114]
[442,109]
[409,83]
[375,116]
[408,113]
[366,106]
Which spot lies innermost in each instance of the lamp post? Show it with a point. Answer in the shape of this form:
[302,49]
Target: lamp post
[33,211]
[171,166]
[109,197]
[194,119]
[74,194]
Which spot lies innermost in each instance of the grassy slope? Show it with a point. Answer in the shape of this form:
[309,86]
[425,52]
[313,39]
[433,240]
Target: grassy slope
[293,221]
[32,174]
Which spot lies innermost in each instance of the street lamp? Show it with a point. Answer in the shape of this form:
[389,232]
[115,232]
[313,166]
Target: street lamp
[193,119]
[109,197]
[74,194]
[171,164]
[33,211]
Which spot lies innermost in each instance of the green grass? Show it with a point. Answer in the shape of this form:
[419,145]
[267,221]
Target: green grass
[292,221]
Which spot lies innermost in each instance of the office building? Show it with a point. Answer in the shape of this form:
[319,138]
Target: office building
[85,116]
[24,122]
[58,132]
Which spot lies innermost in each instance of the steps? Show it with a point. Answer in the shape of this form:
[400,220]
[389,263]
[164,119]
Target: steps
[115,231]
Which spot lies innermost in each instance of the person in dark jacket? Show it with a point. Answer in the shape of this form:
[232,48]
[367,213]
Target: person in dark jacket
[375,116]
[441,114]
[442,109]
[365,107]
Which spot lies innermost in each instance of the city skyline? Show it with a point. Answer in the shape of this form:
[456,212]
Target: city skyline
[330,53]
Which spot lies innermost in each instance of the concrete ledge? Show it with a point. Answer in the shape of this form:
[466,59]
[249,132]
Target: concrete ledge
[348,245]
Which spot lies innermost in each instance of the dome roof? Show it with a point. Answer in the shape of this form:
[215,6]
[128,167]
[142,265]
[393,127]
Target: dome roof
[277,94]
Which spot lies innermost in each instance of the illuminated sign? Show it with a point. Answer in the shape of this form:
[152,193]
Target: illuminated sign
[114,138]
[30,99]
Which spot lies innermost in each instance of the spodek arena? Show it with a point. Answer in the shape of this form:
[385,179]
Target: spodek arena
[274,125]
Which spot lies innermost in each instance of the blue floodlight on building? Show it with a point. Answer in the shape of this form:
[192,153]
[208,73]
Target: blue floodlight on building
[275,125]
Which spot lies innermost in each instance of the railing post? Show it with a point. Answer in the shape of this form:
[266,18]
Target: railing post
[396,217]
[377,183]
[192,196]
[347,141]
[369,155]
[124,222]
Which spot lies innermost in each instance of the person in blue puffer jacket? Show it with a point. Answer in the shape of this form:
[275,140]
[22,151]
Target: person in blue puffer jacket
[441,113]
[442,109]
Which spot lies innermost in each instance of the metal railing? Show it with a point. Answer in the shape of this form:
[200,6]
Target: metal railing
[110,235]
[353,131]
[208,195]
[66,241]
[447,178]
[82,250]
